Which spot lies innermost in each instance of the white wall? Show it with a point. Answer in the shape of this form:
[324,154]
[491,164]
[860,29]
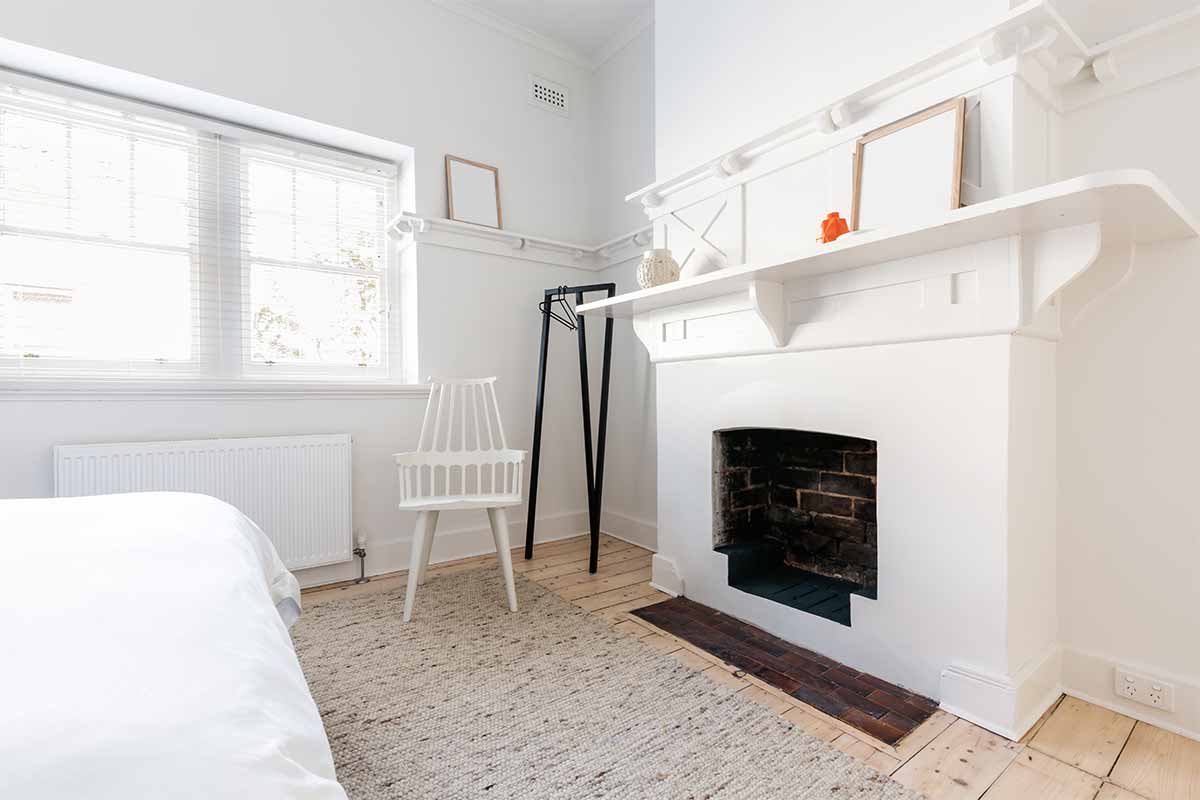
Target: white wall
[1128,428]
[624,114]
[625,161]
[411,72]
[737,71]
[403,70]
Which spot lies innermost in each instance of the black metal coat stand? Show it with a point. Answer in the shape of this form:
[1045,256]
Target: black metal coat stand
[595,471]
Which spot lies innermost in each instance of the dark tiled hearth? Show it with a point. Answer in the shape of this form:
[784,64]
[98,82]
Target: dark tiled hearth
[875,707]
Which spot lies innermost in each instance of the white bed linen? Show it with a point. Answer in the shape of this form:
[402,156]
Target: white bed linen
[144,654]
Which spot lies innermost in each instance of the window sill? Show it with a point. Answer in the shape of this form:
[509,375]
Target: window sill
[206,390]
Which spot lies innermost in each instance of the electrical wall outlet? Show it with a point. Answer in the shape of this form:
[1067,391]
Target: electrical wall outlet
[1144,689]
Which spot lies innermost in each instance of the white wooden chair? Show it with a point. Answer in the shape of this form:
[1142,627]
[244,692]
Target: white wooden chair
[461,462]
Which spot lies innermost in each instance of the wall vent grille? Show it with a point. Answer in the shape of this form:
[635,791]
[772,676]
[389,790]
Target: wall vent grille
[550,96]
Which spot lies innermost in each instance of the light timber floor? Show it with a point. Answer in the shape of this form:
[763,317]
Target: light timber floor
[1077,751]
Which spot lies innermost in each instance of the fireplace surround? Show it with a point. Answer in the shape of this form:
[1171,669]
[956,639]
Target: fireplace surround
[794,513]
[934,339]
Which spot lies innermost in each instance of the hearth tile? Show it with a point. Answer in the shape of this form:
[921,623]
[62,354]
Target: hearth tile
[856,700]
[881,729]
[808,662]
[882,711]
[831,704]
[899,705]
[844,677]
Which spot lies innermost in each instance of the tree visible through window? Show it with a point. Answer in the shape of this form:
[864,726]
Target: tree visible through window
[315,249]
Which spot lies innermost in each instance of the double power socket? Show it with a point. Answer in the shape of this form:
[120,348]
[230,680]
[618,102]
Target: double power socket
[1144,689]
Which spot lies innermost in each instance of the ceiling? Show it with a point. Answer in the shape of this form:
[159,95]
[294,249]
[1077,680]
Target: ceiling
[1099,21]
[588,30]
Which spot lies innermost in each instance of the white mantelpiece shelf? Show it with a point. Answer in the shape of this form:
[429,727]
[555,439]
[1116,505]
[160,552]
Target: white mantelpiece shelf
[1127,205]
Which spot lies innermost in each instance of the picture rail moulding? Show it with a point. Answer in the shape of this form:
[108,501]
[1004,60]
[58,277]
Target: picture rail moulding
[1031,38]
[409,229]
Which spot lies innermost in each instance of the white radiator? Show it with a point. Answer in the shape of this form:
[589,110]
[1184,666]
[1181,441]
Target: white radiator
[296,488]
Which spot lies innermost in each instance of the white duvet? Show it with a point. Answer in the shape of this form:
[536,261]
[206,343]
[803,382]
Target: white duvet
[144,654]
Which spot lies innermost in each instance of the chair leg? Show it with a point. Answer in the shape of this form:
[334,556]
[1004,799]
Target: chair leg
[498,518]
[420,533]
[431,528]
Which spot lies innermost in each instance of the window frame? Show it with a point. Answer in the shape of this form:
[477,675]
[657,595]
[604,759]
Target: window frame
[220,364]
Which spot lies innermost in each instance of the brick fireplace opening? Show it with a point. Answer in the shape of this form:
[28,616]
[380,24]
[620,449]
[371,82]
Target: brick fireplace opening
[794,512]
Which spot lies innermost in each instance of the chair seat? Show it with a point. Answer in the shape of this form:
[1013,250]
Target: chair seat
[459,503]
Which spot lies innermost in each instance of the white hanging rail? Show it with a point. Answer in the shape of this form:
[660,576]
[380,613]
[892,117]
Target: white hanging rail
[410,228]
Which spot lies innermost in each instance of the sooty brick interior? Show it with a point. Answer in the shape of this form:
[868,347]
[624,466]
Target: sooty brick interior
[800,500]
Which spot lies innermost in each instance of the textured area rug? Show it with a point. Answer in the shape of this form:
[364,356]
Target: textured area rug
[470,701]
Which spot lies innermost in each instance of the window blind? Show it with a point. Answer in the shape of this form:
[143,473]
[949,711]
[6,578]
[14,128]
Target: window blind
[132,246]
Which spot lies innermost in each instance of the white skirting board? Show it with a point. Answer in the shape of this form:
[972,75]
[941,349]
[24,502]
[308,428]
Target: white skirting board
[1089,676]
[630,529]
[392,555]
[665,575]
[1005,705]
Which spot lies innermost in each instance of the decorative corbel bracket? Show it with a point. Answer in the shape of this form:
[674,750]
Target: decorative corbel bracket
[766,298]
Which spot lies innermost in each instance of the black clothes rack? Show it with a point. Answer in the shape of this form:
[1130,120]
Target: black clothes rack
[563,314]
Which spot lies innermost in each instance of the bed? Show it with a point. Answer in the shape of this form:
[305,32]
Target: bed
[146,654]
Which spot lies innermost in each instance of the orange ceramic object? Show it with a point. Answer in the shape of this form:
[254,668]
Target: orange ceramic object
[832,227]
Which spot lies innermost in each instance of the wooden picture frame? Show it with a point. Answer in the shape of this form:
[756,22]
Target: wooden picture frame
[478,192]
[957,107]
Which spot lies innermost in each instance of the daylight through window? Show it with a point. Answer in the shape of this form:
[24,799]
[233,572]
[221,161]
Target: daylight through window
[131,246]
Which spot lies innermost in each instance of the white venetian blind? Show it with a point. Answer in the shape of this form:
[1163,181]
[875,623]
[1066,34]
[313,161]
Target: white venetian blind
[133,246]
[99,247]
[313,264]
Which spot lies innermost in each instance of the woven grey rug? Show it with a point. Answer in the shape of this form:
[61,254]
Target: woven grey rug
[470,701]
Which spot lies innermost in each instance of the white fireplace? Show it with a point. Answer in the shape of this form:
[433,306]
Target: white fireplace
[936,341]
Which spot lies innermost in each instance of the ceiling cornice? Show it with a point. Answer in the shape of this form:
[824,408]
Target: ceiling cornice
[623,37]
[549,44]
[516,31]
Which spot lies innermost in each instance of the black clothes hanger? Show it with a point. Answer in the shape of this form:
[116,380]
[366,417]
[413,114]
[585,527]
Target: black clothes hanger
[547,307]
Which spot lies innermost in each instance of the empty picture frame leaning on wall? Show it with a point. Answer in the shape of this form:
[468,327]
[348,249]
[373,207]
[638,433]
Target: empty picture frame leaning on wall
[473,192]
[909,169]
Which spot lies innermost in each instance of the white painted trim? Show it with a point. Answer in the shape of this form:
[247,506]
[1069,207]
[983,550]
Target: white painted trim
[555,47]
[392,555]
[409,229]
[1007,706]
[630,529]
[1089,677]
[1142,57]
[622,38]
[84,390]
[1052,233]
[516,31]
[666,577]
[1147,31]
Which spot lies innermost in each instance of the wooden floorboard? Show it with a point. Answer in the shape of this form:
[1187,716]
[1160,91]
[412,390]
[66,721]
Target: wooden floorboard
[1084,736]
[1159,765]
[1077,751]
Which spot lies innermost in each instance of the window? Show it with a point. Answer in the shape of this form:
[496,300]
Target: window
[132,246]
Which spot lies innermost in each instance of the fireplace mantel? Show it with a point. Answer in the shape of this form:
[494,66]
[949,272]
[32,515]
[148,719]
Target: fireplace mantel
[1020,250]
